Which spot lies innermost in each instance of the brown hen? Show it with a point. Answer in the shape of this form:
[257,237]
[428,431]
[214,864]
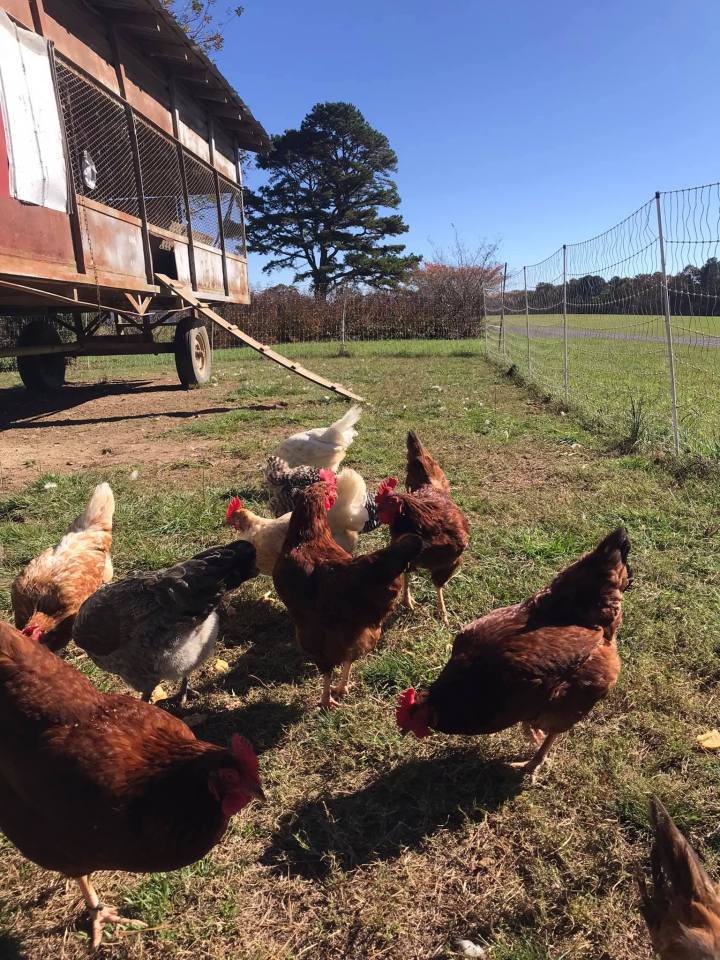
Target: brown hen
[337,602]
[427,509]
[545,662]
[92,781]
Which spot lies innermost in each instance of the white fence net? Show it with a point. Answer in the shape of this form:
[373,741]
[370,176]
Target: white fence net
[601,326]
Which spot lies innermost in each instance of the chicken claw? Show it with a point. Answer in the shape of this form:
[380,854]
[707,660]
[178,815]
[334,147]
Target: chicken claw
[327,701]
[532,766]
[341,689]
[533,734]
[441,608]
[406,598]
[103,915]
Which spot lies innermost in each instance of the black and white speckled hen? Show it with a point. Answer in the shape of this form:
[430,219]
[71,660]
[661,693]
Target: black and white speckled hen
[284,481]
[162,625]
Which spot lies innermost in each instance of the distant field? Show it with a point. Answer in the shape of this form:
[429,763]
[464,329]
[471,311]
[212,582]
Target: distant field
[615,360]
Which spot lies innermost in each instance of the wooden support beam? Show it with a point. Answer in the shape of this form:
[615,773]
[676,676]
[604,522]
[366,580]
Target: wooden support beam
[133,22]
[232,328]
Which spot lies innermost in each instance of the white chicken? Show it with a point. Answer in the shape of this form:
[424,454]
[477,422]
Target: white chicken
[323,446]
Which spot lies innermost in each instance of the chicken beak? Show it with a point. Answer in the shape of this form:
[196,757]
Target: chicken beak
[256,791]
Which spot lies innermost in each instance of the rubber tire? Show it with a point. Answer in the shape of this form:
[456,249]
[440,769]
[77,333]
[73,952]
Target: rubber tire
[193,358]
[41,374]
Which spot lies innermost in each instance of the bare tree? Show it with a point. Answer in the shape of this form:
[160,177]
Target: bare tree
[203,22]
[457,281]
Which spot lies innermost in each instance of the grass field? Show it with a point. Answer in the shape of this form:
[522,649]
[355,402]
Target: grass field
[616,361]
[371,845]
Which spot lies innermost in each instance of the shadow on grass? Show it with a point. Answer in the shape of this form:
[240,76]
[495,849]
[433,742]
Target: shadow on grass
[11,948]
[273,656]
[263,723]
[400,809]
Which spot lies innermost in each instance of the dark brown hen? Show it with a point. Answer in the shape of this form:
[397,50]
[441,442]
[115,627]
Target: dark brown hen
[92,781]
[544,662]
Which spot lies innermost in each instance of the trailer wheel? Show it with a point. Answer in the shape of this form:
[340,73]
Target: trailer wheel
[193,357]
[41,373]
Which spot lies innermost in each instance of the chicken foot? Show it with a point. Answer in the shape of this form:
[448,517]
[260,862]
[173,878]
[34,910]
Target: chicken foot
[100,913]
[406,598]
[532,765]
[534,734]
[327,701]
[341,689]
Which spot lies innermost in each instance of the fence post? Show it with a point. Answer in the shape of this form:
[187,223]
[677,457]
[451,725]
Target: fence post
[668,327]
[527,322]
[501,334]
[342,322]
[484,317]
[566,372]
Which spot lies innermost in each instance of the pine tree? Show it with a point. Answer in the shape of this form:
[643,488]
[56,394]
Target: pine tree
[319,212]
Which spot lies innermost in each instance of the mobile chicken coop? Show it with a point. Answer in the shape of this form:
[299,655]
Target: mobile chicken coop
[120,187]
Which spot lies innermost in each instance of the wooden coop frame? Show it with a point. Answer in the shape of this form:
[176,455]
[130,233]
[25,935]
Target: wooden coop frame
[152,135]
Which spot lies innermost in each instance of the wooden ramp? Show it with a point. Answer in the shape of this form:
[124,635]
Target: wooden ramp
[232,328]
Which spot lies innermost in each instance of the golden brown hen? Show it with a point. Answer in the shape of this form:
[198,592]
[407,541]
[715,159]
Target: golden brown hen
[545,662]
[682,909]
[47,594]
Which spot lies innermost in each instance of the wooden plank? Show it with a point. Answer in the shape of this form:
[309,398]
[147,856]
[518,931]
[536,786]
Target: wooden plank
[232,328]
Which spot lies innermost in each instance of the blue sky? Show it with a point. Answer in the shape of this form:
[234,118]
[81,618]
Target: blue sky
[532,123]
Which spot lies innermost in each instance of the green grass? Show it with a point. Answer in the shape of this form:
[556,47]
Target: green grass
[607,374]
[372,845]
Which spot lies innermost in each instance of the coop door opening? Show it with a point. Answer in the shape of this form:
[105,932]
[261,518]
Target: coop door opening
[163,257]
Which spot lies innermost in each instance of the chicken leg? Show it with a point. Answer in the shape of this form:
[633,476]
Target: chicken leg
[341,689]
[327,701]
[441,608]
[101,914]
[532,765]
[406,598]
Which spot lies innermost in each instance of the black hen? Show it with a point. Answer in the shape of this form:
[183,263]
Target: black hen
[162,625]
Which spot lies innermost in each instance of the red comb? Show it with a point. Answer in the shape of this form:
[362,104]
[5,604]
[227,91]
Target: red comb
[385,489]
[234,505]
[244,753]
[328,477]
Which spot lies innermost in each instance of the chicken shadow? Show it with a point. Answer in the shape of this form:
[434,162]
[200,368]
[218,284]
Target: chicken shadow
[398,810]
[263,723]
[273,656]
[11,947]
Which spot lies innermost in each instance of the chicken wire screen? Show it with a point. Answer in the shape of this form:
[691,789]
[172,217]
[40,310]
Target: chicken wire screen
[232,217]
[101,157]
[203,202]
[162,180]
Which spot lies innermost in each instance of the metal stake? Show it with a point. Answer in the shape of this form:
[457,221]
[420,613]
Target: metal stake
[566,372]
[501,334]
[342,322]
[484,317]
[668,327]
[527,322]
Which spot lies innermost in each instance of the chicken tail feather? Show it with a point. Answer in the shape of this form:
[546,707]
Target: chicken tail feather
[676,868]
[98,514]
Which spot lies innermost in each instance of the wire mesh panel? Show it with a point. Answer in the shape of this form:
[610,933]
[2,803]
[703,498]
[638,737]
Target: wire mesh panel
[203,202]
[691,223]
[232,217]
[162,181]
[98,141]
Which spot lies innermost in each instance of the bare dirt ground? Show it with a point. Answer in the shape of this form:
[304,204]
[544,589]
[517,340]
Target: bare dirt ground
[117,422]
